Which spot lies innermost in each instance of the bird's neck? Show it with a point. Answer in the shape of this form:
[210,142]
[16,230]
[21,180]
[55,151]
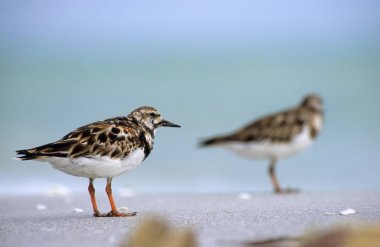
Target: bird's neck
[146,128]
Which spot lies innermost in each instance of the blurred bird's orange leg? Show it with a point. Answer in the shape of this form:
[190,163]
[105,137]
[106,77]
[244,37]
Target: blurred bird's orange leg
[114,212]
[91,190]
[273,178]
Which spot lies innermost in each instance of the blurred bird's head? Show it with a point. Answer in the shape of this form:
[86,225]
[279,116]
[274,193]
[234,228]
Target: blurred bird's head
[313,102]
[150,118]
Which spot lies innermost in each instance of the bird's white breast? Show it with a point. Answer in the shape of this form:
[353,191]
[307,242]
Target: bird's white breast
[272,150]
[96,166]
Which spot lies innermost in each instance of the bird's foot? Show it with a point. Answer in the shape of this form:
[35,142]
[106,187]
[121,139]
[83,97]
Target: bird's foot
[287,191]
[120,214]
[99,214]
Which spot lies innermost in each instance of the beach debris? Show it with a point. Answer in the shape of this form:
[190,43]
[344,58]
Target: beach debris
[351,235]
[57,191]
[123,209]
[270,242]
[342,212]
[347,211]
[343,236]
[40,207]
[338,236]
[78,210]
[245,196]
[126,192]
[155,232]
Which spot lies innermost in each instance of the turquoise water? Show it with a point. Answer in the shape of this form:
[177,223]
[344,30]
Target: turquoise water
[61,68]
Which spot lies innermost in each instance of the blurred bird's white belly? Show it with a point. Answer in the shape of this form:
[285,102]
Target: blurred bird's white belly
[271,150]
[97,167]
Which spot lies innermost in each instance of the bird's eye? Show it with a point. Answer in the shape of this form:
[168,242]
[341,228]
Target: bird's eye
[152,114]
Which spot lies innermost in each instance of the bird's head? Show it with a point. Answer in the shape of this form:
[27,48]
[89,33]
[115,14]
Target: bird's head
[313,102]
[150,118]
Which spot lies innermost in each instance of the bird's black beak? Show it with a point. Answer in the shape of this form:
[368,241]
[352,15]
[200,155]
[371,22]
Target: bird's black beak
[166,123]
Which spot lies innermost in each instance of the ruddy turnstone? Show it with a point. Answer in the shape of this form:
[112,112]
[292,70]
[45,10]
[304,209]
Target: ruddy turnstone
[103,149]
[276,136]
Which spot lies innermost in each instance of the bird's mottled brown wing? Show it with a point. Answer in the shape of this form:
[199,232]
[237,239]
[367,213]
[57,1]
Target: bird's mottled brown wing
[280,127]
[104,138]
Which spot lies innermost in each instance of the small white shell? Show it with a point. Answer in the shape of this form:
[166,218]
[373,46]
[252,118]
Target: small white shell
[245,196]
[347,211]
[123,209]
[78,210]
[40,207]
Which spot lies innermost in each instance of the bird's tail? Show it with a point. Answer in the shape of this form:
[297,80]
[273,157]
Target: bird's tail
[27,154]
[54,149]
[216,141]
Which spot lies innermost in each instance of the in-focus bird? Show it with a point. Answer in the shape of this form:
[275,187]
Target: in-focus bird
[103,149]
[276,136]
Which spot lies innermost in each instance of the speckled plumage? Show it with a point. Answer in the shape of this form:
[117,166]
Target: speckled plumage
[280,127]
[276,136]
[103,149]
[115,138]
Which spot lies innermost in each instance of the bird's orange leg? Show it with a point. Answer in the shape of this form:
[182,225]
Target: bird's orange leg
[114,212]
[91,190]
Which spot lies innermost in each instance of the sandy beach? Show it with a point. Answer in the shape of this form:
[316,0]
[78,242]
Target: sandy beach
[217,219]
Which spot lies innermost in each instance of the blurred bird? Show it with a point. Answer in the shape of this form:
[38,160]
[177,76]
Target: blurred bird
[156,232]
[103,149]
[276,136]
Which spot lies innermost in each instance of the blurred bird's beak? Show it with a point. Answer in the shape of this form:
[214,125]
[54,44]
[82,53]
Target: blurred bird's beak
[166,123]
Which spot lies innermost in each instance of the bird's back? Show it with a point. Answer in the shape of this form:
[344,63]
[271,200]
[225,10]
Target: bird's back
[114,138]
